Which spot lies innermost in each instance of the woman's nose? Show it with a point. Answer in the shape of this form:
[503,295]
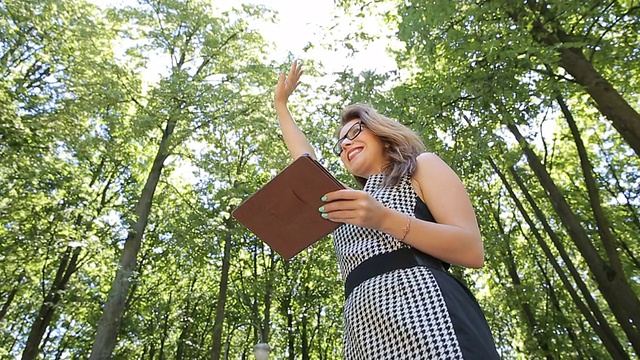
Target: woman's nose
[345,143]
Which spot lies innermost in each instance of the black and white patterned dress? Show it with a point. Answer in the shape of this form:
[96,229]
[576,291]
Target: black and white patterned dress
[414,313]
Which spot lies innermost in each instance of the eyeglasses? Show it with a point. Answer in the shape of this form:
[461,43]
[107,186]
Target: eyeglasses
[351,134]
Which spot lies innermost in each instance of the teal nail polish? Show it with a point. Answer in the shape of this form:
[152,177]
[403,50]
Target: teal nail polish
[321,208]
[324,215]
[324,198]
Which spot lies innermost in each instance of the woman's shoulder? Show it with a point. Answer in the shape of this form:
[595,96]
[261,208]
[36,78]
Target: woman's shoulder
[425,159]
[431,175]
[428,164]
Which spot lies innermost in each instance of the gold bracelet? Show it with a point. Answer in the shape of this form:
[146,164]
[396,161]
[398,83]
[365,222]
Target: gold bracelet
[405,231]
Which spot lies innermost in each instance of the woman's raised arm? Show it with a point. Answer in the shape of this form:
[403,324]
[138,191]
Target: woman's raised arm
[295,139]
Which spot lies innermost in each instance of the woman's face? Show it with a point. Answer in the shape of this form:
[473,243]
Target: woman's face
[364,154]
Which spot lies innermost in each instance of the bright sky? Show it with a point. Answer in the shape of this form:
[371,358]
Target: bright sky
[304,22]
[301,22]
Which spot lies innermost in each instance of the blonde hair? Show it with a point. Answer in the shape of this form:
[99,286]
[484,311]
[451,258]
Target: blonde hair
[402,145]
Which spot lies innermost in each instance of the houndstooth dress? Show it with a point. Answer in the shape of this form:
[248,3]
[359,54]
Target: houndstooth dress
[414,313]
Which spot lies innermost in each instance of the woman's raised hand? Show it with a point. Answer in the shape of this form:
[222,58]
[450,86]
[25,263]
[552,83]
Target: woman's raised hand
[288,83]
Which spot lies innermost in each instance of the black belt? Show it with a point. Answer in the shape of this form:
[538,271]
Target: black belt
[403,258]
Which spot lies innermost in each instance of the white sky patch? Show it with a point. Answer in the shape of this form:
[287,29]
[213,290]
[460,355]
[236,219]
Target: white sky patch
[301,23]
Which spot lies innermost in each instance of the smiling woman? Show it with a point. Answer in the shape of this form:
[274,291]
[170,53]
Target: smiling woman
[401,146]
[398,236]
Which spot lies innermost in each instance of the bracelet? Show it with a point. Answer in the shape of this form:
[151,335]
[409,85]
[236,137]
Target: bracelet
[405,231]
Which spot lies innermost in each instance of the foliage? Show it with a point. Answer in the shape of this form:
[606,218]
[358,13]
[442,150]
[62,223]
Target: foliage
[89,96]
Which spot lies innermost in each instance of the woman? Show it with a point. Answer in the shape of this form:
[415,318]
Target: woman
[411,220]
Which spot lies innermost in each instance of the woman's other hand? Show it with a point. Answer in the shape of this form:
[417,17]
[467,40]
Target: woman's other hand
[354,207]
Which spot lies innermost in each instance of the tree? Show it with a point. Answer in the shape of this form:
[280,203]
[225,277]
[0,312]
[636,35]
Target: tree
[199,47]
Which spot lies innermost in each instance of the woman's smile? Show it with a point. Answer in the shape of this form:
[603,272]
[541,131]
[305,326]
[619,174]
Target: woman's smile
[353,152]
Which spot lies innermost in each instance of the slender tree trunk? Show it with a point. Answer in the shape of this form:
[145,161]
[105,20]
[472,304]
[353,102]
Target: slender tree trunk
[109,325]
[604,229]
[304,336]
[512,270]
[61,347]
[578,347]
[216,336]
[613,284]
[67,267]
[291,342]
[599,324]
[190,310]
[287,313]
[268,298]
[11,296]
[205,330]
[152,351]
[186,315]
[165,328]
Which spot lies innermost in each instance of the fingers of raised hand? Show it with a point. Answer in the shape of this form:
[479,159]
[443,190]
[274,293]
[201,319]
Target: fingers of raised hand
[295,72]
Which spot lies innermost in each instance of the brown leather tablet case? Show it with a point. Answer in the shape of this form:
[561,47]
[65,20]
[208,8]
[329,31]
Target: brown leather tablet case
[284,213]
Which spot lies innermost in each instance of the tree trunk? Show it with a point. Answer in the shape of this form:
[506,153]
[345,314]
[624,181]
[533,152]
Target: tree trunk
[109,325]
[580,351]
[268,297]
[512,270]
[287,313]
[304,336]
[11,296]
[187,320]
[165,328]
[610,103]
[599,324]
[613,284]
[61,347]
[602,222]
[67,267]
[216,336]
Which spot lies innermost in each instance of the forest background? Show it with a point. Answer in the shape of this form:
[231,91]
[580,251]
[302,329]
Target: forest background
[116,239]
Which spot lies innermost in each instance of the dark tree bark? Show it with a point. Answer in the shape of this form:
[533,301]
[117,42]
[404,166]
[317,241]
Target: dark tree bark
[111,319]
[216,336]
[304,336]
[529,315]
[11,296]
[577,346]
[611,104]
[68,265]
[66,268]
[612,282]
[546,30]
[287,312]
[188,314]
[165,328]
[592,313]
[602,222]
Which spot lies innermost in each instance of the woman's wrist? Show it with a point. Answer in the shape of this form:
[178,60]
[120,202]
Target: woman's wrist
[395,224]
[280,105]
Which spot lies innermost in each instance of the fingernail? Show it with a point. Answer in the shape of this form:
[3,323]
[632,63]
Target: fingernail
[324,198]
[325,215]
[321,208]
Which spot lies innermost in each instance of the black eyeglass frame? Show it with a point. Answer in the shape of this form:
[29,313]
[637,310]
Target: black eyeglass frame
[337,148]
